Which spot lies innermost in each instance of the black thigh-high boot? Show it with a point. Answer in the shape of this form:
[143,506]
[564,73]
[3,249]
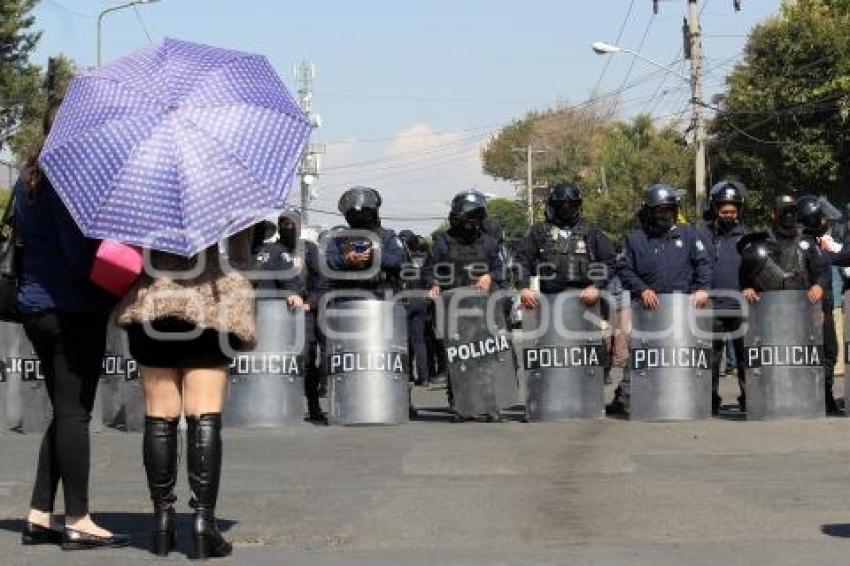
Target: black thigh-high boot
[203,456]
[159,451]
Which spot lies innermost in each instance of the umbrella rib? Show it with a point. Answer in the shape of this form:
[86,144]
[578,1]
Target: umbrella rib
[224,148]
[210,72]
[100,127]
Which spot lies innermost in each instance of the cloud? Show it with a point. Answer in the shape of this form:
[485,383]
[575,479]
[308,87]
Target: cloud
[417,172]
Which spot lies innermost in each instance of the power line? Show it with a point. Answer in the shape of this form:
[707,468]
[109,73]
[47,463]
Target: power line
[619,37]
[639,49]
[142,22]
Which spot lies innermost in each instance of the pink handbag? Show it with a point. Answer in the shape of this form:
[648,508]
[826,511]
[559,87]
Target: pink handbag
[116,267]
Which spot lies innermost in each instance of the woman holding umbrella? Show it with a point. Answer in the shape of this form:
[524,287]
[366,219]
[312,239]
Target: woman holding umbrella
[65,318]
[179,148]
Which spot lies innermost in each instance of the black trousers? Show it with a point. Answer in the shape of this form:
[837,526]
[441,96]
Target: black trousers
[417,321]
[313,378]
[70,347]
[830,347]
[723,325]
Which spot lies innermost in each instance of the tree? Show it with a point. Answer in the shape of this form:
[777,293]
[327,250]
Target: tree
[614,162]
[29,131]
[636,155]
[783,122]
[18,77]
[511,216]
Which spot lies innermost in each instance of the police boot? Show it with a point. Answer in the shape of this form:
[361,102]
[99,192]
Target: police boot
[203,456]
[159,452]
[716,403]
[616,406]
[831,405]
[742,403]
[314,411]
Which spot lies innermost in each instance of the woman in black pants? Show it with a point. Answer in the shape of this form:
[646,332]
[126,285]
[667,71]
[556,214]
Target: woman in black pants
[65,318]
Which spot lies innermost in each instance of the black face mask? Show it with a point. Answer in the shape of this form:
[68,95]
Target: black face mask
[567,214]
[287,235]
[365,219]
[726,224]
[787,223]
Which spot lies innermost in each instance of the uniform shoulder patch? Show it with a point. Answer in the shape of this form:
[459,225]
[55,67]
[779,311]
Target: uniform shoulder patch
[804,245]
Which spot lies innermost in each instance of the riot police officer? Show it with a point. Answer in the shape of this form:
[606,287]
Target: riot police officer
[464,256]
[815,225]
[721,235]
[662,256]
[351,251]
[564,251]
[301,278]
[417,308]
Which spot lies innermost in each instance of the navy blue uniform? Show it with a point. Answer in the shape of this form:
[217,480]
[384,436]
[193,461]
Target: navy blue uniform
[393,258]
[673,262]
[721,247]
[448,257]
[547,247]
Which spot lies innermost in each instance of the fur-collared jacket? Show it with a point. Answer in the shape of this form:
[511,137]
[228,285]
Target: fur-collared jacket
[200,290]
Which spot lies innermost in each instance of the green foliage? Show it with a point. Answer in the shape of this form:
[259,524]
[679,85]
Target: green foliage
[30,131]
[18,78]
[511,215]
[613,161]
[783,125]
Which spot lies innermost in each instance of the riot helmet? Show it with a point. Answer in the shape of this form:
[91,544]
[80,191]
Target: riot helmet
[785,215]
[467,214]
[757,252]
[360,207]
[660,208]
[563,206]
[725,193]
[816,215]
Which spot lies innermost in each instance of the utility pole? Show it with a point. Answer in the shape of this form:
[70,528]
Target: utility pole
[310,163]
[529,177]
[694,49]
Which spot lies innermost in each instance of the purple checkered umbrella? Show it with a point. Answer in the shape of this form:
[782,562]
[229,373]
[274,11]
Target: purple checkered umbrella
[175,146]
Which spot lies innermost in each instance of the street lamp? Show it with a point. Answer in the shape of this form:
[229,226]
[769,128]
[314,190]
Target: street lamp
[601,48]
[114,9]
[695,81]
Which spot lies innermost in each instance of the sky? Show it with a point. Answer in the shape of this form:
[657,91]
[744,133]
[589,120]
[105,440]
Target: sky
[408,91]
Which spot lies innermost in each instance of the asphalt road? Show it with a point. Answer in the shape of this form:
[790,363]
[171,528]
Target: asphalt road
[612,492]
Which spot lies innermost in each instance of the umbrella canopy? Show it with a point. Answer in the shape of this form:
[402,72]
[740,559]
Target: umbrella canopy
[175,146]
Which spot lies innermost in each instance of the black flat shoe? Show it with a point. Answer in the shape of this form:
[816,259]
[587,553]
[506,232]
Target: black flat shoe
[77,540]
[33,534]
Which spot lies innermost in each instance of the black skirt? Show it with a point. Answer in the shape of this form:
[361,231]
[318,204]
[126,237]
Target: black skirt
[202,351]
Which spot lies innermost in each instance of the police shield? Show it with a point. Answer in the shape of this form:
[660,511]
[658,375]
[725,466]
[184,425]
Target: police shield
[112,378]
[267,384]
[784,357]
[846,350]
[565,366]
[36,412]
[367,365]
[480,358]
[670,366]
[11,336]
